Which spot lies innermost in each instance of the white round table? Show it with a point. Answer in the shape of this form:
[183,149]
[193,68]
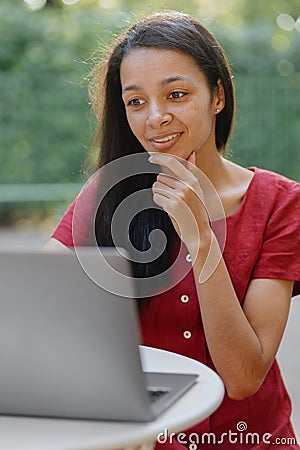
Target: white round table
[26,433]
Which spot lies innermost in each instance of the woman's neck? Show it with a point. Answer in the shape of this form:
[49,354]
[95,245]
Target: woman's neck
[230,180]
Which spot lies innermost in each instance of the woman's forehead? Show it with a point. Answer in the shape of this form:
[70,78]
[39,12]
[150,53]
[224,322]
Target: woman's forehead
[158,65]
[151,54]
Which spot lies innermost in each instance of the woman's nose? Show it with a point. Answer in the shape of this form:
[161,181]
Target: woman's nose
[158,116]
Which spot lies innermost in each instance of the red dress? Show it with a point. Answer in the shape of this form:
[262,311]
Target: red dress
[262,241]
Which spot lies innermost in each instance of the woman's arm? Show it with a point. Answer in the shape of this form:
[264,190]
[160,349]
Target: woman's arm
[53,245]
[242,341]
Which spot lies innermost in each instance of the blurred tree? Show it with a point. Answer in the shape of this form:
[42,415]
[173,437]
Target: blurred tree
[54,3]
[258,10]
[44,123]
[44,119]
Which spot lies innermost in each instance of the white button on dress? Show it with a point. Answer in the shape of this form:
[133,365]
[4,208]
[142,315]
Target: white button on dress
[188,258]
[184,298]
[187,334]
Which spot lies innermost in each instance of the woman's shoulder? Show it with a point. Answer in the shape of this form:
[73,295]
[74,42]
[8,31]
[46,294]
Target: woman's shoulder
[258,192]
[274,189]
[276,199]
[273,180]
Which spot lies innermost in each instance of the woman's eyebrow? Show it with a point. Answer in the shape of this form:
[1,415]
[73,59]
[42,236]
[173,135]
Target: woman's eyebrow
[135,87]
[174,78]
[131,87]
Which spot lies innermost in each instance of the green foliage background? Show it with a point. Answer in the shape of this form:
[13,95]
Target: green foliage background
[46,126]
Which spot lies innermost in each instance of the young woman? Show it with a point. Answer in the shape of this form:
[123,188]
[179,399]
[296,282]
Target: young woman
[168,93]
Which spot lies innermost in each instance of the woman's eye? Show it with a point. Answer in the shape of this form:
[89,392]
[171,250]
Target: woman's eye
[177,94]
[135,102]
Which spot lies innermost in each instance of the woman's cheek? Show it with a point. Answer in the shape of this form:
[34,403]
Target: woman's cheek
[135,125]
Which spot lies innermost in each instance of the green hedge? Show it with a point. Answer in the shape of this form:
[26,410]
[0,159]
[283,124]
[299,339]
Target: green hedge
[45,123]
[267,124]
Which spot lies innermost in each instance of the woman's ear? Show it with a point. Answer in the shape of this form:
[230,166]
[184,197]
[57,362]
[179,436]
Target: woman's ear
[219,97]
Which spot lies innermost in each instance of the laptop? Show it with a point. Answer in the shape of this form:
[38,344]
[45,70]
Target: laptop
[70,348]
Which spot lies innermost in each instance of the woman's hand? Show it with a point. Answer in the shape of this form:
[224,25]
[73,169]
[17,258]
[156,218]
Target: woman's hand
[179,193]
[242,341]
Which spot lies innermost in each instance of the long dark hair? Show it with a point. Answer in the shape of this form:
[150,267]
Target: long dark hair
[169,30]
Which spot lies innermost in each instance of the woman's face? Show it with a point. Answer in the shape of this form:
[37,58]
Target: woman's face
[169,105]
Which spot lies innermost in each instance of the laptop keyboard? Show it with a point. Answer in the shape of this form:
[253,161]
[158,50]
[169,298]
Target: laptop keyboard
[157,393]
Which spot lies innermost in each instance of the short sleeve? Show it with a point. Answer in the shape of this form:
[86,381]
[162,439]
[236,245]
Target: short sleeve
[77,226]
[63,232]
[279,256]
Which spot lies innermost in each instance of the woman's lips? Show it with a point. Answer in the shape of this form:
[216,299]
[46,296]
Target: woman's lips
[164,142]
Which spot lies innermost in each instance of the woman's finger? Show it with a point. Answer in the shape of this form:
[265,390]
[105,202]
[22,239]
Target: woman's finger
[192,158]
[169,181]
[162,190]
[179,167]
